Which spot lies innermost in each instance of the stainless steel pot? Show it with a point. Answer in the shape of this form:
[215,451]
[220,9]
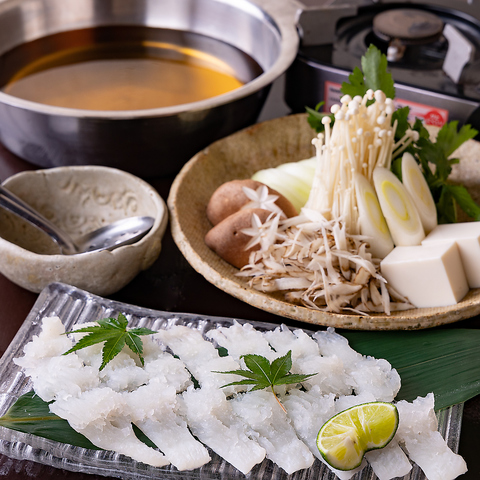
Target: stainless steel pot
[154,142]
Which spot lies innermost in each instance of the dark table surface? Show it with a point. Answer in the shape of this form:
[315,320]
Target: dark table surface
[171,284]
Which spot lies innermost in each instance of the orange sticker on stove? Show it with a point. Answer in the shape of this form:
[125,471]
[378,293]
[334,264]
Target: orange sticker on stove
[430,115]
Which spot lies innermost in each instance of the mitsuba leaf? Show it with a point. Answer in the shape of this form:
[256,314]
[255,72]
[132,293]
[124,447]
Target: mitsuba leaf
[315,117]
[400,115]
[374,75]
[449,138]
[113,332]
[464,200]
[357,84]
[446,206]
[375,70]
[438,154]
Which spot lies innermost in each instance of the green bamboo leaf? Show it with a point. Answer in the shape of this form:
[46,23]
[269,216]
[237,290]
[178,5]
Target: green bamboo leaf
[443,361]
[30,414]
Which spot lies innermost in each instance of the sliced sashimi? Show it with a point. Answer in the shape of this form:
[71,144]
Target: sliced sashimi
[242,339]
[155,410]
[102,415]
[265,417]
[212,420]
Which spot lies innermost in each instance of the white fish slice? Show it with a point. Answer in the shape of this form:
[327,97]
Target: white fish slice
[103,417]
[365,374]
[417,433]
[155,410]
[200,357]
[306,359]
[242,339]
[265,417]
[308,412]
[53,374]
[173,438]
[213,422]
[282,339]
[389,462]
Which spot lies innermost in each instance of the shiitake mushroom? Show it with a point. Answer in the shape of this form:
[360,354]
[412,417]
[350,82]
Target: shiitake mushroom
[227,240]
[230,197]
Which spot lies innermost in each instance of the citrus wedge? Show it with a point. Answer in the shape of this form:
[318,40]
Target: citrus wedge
[345,438]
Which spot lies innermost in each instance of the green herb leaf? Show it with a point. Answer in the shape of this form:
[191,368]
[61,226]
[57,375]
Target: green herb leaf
[464,200]
[115,334]
[375,75]
[357,84]
[449,138]
[315,117]
[262,374]
[446,207]
[437,154]
[400,115]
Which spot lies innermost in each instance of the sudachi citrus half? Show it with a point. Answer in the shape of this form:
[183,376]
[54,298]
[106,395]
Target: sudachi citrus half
[345,438]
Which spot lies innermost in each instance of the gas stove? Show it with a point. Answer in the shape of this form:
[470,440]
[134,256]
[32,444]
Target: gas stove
[432,47]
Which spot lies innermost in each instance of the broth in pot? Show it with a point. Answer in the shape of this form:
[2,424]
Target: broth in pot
[121,68]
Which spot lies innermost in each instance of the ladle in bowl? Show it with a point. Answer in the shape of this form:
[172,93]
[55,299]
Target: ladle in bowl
[122,232]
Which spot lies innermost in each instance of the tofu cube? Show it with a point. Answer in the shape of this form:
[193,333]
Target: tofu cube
[467,237]
[428,275]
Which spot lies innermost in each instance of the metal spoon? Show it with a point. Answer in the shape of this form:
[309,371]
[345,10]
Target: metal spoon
[121,232]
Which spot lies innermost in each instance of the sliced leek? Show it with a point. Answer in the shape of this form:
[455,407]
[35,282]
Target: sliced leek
[415,183]
[402,217]
[371,219]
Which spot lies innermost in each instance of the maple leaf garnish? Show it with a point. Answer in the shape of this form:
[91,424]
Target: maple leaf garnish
[262,374]
[114,332]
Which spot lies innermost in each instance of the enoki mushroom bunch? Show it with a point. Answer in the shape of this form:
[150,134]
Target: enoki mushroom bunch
[318,258]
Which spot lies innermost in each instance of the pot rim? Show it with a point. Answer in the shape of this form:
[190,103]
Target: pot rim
[280,16]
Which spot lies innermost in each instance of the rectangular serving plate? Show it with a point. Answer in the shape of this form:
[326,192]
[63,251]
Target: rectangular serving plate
[75,306]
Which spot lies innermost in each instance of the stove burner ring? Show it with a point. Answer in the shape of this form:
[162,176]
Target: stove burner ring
[408,26]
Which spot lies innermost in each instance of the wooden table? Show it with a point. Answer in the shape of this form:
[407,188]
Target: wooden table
[171,284]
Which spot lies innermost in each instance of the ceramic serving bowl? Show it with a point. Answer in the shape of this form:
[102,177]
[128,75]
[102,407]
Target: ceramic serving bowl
[79,199]
[270,144]
[147,142]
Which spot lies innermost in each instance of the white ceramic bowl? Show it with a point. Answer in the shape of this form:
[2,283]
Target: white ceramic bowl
[79,199]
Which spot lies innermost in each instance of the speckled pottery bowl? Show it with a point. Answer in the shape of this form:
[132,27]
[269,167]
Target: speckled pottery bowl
[79,199]
[270,144]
